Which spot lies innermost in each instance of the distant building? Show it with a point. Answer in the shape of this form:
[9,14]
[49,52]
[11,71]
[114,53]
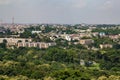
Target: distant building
[105,46]
[33,32]
[42,27]
[68,38]
[102,34]
[95,34]
[86,41]
[114,36]
[82,62]
[35,44]
[14,41]
[16,28]
[85,35]
[75,36]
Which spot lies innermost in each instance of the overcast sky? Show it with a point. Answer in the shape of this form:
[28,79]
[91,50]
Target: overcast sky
[60,11]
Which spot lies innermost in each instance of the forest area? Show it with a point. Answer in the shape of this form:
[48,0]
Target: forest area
[56,63]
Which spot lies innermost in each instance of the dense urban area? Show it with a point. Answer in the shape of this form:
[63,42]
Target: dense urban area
[59,52]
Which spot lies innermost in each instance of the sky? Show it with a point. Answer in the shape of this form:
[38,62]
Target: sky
[60,11]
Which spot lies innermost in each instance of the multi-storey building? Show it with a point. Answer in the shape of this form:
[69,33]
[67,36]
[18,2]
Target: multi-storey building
[35,44]
[86,41]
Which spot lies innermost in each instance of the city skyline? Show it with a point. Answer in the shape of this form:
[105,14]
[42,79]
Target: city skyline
[60,11]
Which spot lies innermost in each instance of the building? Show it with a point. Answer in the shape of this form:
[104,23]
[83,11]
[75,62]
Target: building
[14,41]
[85,35]
[102,34]
[82,62]
[33,32]
[105,46]
[68,38]
[75,36]
[40,45]
[95,34]
[114,37]
[65,36]
[86,41]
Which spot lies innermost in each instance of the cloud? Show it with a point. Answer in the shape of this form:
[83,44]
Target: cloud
[79,3]
[108,5]
[61,11]
[6,2]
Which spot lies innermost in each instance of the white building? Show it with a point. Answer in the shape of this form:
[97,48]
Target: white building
[68,38]
[33,32]
[82,62]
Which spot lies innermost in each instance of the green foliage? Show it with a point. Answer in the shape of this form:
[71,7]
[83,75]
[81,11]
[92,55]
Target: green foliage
[108,31]
[103,40]
[60,55]
[3,45]
[62,42]
[70,75]
[26,34]
[58,63]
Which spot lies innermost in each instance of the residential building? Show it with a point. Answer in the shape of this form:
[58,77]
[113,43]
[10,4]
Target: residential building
[68,38]
[102,34]
[86,41]
[114,36]
[35,44]
[105,46]
[14,41]
[75,36]
[33,32]
[85,35]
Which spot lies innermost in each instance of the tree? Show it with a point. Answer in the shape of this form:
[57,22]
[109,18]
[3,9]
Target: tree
[3,44]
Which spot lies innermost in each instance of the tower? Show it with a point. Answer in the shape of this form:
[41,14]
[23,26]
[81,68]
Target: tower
[1,21]
[12,20]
